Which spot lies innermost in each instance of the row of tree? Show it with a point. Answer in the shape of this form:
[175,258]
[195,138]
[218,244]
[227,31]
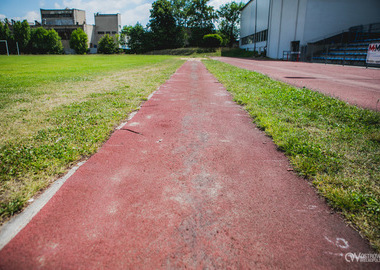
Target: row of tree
[107,44]
[36,40]
[172,24]
[179,23]
[41,41]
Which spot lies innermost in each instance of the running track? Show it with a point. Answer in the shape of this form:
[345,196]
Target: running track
[355,85]
[189,182]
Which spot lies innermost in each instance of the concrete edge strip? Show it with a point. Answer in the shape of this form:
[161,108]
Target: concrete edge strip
[10,229]
[132,114]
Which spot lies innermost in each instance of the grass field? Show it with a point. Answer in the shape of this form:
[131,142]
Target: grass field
[56,110]
[334,145]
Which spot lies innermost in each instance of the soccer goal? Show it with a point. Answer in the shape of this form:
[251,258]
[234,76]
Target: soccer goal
[6,45]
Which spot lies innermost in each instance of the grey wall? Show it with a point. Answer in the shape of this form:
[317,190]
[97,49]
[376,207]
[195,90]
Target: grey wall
[328,17]
[106,24]
[250,25]
[287,20]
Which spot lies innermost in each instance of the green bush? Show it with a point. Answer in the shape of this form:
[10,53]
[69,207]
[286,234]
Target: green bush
[212,40]
[78,41]
[44,41]
[108,45]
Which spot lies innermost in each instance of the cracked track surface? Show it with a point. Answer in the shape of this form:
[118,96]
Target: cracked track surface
[189,182]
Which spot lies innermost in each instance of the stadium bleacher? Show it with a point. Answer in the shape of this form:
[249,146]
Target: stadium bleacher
[348,48]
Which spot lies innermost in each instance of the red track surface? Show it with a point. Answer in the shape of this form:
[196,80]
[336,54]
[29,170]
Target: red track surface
[195,185]
[355,85]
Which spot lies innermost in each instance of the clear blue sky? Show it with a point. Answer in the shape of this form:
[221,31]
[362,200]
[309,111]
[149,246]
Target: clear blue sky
[131,11]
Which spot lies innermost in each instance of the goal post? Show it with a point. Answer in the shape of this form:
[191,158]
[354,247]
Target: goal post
[6,45]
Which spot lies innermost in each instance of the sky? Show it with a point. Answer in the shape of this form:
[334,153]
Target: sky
[132,11]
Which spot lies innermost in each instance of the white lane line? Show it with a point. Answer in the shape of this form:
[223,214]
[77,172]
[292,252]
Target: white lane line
[10,229]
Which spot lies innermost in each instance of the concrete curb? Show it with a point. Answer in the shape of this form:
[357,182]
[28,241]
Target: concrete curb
[10,229]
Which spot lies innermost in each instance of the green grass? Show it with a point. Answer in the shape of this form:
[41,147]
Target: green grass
[334,145]
[56,110]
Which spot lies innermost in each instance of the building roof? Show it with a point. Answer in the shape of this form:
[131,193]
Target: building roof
[98,14]
[247,4]
[60,9]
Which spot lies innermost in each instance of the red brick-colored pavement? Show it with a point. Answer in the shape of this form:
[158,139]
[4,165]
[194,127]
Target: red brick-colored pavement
[355,85]
[189,182]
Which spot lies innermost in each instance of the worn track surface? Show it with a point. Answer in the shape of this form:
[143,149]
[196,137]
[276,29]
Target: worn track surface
[189,182]
[355,85]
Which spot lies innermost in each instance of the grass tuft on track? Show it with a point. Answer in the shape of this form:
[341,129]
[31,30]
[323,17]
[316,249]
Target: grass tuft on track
[334,145]
[57,110]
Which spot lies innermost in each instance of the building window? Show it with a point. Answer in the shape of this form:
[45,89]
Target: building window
[255,38]
[101,33]
[114,32]
[67,15]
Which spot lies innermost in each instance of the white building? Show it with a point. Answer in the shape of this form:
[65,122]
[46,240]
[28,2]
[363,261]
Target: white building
[277,26]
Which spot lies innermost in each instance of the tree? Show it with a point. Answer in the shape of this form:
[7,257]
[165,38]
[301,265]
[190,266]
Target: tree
[225,40]
[107,45]
[200,21]
[139,38]
[53,42]
[166,33]
[37,40]
[21,34]
[45,41]
[78,41]
[124,35]
[229,15]
[5,34]
[135,36]
[180,10]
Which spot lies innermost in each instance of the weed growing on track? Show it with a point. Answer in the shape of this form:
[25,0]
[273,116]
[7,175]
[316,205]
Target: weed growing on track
[335,145]
[56,110]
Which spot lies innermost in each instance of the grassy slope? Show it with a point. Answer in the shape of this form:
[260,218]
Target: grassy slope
[55,110]
[334,145]
[189,52]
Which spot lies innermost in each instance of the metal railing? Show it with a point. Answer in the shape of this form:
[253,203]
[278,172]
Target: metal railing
[291,56]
